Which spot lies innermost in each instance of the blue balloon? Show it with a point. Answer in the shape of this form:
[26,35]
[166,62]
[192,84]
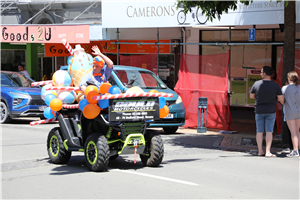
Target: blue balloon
[162,102]
[48,98]
[82,104]
[114,90]
[48,113]
[103,103]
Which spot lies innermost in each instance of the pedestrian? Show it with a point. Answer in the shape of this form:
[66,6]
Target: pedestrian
[23,70]
[100,73]
[291,94]
[286,133]
[266,94]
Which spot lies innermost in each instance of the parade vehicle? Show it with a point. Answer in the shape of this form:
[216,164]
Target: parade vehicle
[119,129]
[19,98]
[126,77]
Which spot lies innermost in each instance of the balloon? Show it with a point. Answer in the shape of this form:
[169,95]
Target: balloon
[104,87]
[153,91]
[162,102]
[90,95]
[91,111]
[56,104]
[48,113]
[62,78]
[163,112]
[135,89]
[66,96]
[89,89]
[48,98]
[82,104]
[114,90]
[45,92]
[103,103]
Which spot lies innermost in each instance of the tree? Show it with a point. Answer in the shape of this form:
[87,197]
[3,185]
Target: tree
[214,9]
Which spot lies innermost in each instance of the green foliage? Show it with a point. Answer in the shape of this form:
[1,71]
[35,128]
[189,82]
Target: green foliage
[213,8]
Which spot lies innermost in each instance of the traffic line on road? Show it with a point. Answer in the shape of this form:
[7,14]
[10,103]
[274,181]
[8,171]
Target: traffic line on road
[157,177]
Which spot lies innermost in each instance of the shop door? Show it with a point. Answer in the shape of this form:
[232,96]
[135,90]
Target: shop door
[46,68]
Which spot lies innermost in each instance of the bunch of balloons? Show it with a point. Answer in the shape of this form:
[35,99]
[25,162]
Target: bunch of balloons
[55,99]
[90,107]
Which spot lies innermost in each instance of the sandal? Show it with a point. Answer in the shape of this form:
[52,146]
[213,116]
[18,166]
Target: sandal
[270,156]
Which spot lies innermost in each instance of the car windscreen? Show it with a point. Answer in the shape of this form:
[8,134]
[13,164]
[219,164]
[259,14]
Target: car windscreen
[142,79]
[15,80]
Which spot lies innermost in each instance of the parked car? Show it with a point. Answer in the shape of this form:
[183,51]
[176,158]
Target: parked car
[125,77]
[19,98]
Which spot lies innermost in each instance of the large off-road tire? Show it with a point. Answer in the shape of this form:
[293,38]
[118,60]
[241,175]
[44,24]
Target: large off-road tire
[170,129]
[96,151]
[154,148]
[4,116]
[56,149]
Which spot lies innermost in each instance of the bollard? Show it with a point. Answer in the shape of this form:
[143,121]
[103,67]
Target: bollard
[202,115]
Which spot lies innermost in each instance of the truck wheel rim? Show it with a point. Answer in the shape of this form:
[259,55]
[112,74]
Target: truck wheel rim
[91,152]
[54,146]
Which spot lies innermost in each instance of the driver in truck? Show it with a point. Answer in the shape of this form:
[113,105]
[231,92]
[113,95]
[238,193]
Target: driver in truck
[100,72]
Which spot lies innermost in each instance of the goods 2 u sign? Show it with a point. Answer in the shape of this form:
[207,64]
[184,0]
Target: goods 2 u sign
[133,109]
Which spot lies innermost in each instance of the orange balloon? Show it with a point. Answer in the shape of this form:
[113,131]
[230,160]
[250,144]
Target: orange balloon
[104,87]
[90,95]
[91,111]
[89,89]
[164,111]
[153,91]
[56,104]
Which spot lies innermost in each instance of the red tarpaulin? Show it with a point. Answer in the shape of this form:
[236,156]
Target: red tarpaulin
[205,76]
[146,61]
[279,81]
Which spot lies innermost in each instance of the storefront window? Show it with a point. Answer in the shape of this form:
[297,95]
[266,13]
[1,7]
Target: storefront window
[167,70]
[215,36]
[252,56]
[279,36]
[10,59]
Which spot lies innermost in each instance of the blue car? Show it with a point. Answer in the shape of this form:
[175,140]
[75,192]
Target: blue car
[125,77]
[19,98]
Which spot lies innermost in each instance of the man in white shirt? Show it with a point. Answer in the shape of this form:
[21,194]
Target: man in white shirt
[21,69]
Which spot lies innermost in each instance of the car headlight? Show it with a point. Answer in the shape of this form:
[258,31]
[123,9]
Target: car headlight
[25,96]
[178,100]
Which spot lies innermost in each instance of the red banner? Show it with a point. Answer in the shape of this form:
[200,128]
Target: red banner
[57,50]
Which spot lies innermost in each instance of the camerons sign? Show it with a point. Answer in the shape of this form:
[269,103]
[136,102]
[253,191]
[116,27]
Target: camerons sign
[133,109]
[45,34]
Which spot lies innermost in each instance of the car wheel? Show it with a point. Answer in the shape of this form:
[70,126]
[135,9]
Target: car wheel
[96,152]
[4,113]
[170,129]
[154,150]
[56,149]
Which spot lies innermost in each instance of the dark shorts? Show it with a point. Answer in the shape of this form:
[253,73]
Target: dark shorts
[265,122]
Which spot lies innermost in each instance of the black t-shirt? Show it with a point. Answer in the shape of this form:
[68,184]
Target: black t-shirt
[265,96]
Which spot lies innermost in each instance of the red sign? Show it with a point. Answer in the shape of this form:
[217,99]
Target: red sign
[45,34]
[57,50]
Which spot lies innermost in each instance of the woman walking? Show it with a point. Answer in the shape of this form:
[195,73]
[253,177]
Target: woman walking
[291,94]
